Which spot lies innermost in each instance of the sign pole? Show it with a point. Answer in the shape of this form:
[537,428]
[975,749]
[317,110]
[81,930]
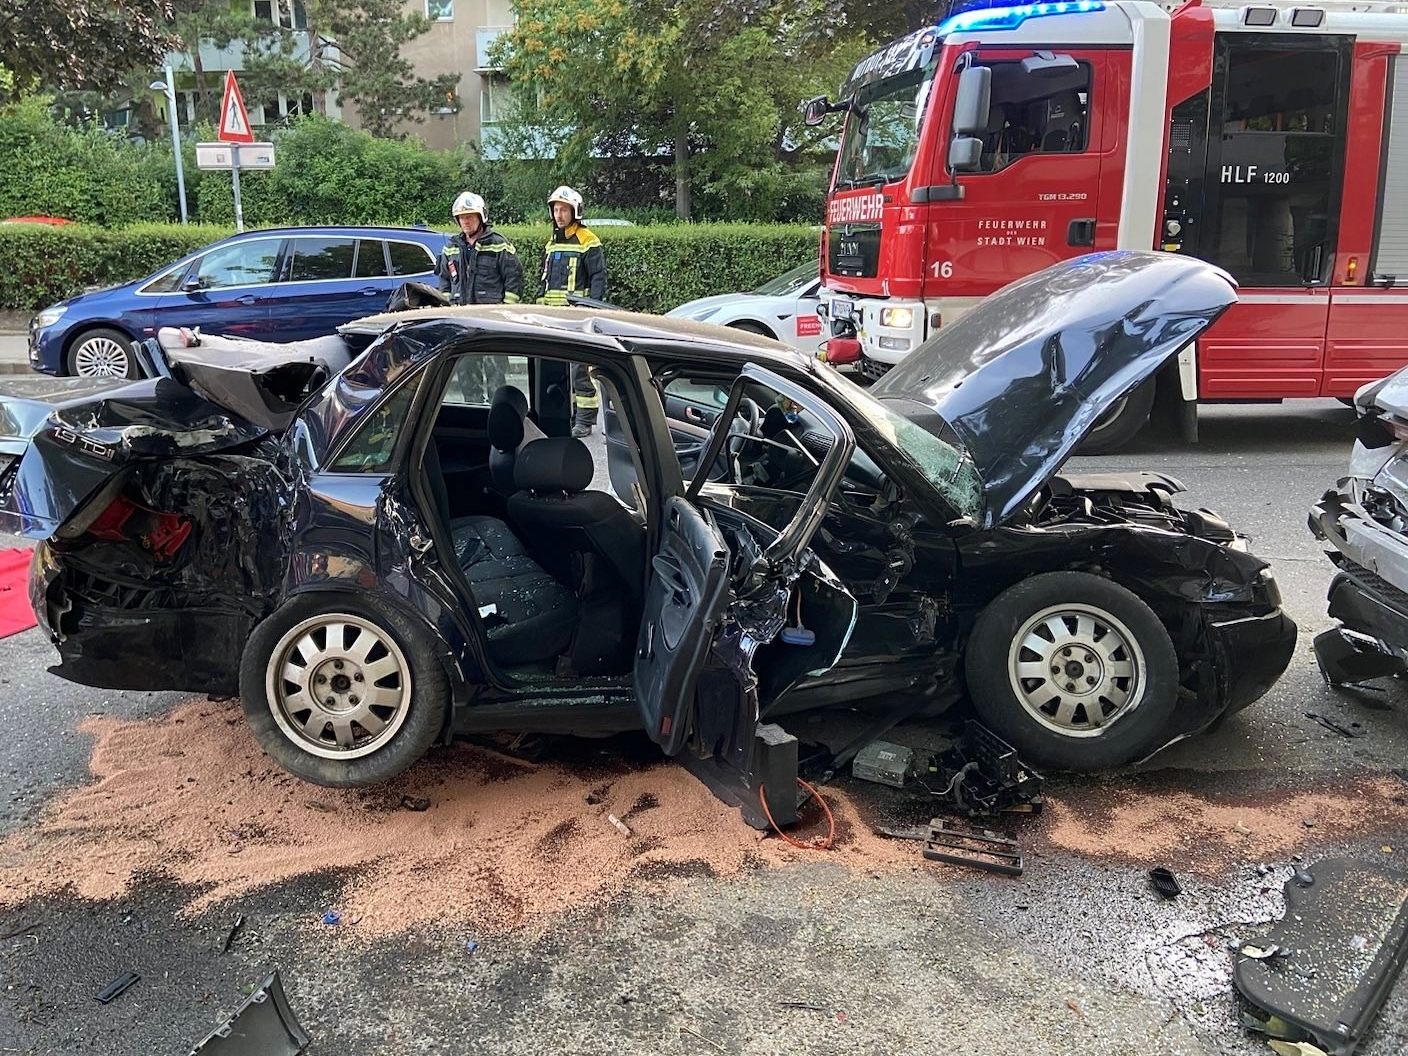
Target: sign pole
[235,181]
[176,141]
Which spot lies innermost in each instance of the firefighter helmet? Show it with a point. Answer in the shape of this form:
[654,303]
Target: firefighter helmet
[469,202]
[567,196]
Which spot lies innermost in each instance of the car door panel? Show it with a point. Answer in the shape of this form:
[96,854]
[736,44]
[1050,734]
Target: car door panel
[233,292]
[720,590]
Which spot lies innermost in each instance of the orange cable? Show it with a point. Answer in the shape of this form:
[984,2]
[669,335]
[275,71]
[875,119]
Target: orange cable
[823,845]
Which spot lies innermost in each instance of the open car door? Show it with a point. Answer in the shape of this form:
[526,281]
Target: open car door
[726,590]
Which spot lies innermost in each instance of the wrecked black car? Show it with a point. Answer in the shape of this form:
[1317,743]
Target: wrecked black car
[378,556]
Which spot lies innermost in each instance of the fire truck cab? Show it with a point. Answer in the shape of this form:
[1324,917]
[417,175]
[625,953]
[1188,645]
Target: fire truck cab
[1270,139]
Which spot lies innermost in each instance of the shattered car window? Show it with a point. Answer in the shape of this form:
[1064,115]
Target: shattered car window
[948,468]
[372,445]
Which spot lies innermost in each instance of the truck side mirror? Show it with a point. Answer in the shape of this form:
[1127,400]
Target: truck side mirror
[814,111]
[974,100]
[965,154]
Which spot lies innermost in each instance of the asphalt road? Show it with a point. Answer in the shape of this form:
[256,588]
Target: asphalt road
[1075,956]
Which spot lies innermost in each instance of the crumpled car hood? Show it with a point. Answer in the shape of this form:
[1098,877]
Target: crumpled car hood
[1020,380]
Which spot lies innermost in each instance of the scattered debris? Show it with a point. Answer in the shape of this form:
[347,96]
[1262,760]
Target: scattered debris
[980,775]
[122,983]
[320,806]
[230,935]
[701,1037]
[1239,827]
[332,918]
[416,803]
[1352,730]
[470,946]
[1263,953]
[1164,882]
[807,1005]
[264,1025]
[619,825]
[1074,1007]
[1386,849]
[979,848]
[1327,966]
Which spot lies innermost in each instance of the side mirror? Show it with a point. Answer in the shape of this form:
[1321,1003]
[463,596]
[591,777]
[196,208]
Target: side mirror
[974,99]
[192,284]
[965,154]
[814,111]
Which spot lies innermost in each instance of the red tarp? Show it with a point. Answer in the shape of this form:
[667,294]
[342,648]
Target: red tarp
[15,613]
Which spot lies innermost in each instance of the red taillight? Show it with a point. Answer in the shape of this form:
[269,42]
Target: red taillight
[124,521]
[842,350]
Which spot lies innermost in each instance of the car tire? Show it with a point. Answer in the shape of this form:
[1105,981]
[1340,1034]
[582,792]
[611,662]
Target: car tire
[750,327]
[332,740]
[1114,651]
[102,353]
[1121,423]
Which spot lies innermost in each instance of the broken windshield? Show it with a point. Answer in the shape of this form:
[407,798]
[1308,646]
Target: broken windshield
[946,466]
[882,130]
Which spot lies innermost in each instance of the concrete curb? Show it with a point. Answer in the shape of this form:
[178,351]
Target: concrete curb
[15,368]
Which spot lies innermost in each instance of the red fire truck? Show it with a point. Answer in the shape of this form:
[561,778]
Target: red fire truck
[1268,138]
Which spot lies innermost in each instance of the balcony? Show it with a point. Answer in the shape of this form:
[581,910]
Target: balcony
[484,38]
[230,57]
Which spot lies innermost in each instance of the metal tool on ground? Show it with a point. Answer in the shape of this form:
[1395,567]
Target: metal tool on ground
[119,985]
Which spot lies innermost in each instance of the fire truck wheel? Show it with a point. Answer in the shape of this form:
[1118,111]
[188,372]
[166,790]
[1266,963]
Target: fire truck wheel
[1121,423]
[1075,671]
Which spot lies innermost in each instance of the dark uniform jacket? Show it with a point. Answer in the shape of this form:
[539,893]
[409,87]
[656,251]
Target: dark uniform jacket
[574,263]
[487,272]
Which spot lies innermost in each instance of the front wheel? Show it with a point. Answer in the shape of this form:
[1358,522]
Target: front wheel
[1074,670]
[342,691]
[102,353]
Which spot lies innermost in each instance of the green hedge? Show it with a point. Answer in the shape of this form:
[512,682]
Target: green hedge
[650,269]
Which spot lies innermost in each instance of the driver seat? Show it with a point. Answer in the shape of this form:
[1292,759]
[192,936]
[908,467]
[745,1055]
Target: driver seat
[588,541]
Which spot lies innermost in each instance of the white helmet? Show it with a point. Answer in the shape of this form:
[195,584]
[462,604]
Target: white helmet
[567,196]
[469,202]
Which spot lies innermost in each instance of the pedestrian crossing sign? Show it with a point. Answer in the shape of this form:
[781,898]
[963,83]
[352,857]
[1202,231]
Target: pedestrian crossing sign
[234,118]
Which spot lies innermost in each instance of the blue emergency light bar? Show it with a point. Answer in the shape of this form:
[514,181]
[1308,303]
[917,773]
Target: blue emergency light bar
[1012,17]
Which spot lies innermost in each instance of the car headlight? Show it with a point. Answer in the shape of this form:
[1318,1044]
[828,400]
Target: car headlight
[49,316]
[706,313]
[899,317]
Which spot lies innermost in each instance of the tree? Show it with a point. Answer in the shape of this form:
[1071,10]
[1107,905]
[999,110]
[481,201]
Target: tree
[81,44]
[354,48]
[713,88]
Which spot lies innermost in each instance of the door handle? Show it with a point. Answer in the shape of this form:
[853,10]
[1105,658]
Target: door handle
[248,299]
[1081,233]
[369,291]
[419,543]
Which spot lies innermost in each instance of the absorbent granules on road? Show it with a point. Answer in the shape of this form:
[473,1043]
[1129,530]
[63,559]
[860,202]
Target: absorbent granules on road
[503,844]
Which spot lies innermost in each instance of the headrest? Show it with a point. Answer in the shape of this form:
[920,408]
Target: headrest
[554,464]
[505,422]
[774,422]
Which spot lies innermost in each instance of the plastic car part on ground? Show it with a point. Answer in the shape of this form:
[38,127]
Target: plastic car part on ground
[1334,956]
[264,1025]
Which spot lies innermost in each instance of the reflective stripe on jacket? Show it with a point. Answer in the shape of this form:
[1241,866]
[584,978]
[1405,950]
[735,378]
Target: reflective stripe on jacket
[484,272]
[573,262]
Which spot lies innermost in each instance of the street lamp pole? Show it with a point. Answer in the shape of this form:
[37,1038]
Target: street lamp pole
[169,86]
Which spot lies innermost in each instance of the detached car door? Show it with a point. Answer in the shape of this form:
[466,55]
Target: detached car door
[726,589]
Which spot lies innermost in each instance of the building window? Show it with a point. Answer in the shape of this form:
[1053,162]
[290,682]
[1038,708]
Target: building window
[440,10]
[291,13]
[493,97]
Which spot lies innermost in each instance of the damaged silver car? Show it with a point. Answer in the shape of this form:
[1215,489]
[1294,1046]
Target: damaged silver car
[379,555]
[1363,521]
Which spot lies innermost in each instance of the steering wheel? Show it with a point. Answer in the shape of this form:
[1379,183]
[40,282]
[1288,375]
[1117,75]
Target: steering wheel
[748,422]
[752,413]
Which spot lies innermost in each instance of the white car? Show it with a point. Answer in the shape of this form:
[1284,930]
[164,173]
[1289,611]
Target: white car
[784,308]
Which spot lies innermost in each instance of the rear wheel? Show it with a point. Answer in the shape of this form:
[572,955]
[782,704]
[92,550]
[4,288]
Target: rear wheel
[341,690]
[1121,423]
[1075,671]
[102,353]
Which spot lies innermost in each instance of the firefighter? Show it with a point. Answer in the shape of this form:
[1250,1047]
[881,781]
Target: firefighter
[479,266]
[573,263]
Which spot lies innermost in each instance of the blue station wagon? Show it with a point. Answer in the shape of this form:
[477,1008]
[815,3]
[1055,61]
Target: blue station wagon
[284,284]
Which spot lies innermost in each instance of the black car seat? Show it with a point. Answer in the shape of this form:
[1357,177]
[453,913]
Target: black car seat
[587,540]
[528,615]
[509,428]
